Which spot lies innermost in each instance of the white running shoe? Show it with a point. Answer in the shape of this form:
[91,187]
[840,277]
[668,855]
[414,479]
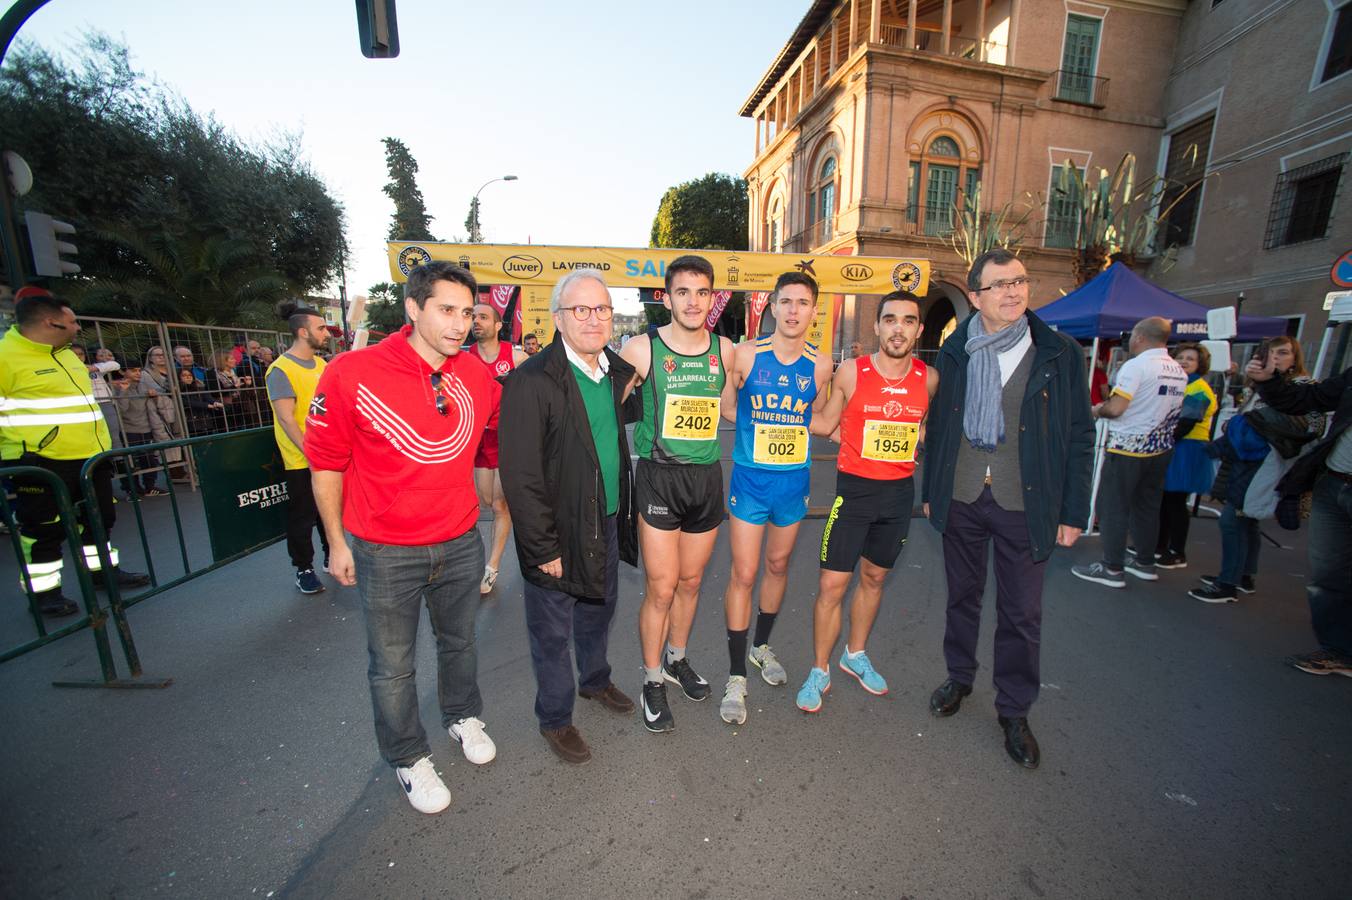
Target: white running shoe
[478,746]
[490,578]
[426,791]
[763,658]
[733,708]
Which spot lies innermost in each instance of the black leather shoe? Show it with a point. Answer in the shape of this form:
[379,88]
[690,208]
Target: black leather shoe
[1020,743]
[948,697]
[124,578]
[58,607]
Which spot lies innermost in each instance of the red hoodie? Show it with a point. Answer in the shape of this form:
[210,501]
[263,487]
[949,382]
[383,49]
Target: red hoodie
[409,471]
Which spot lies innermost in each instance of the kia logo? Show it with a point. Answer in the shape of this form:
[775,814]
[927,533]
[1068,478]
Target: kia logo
[522,266]
[856,272]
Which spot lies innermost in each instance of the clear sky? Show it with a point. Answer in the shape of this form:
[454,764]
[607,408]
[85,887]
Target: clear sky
[598,107]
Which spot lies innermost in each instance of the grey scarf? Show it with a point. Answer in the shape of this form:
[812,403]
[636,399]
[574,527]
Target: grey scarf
[984,419]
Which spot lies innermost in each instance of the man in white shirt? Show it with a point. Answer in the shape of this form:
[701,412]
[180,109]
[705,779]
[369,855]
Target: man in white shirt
[1141,412]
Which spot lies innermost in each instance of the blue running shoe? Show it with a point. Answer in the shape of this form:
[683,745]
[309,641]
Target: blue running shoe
[860,667]
[811,693]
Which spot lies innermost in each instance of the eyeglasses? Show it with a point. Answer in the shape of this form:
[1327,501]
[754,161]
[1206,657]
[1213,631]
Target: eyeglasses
[1006,284]
[583,313]
[443,405]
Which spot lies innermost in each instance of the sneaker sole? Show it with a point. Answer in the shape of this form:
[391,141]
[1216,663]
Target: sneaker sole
[1344,672]
[826,690]
[1182,565]
[655,728]
[677,682]
[1103,581]
[1215,600]
[304,591]
[764,677]
[850,671]
[1141,574]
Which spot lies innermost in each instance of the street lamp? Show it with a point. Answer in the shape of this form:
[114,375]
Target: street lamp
[475,237]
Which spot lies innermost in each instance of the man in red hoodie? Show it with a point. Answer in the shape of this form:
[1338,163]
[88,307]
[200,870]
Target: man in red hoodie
[391,438]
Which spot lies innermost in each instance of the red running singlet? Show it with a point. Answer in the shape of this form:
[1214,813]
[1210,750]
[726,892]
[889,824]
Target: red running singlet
[880,426]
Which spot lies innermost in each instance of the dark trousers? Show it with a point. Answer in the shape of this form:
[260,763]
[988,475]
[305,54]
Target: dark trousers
[1240,540]
[393,582]
[146,462]
[1330,586]
[302,517]
[1175,518]
[1129,500]
[39,519]
[970,529]
[552,617]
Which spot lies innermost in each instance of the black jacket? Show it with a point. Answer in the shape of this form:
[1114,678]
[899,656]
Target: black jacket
[552,477]
[1333,395]
[1056,437]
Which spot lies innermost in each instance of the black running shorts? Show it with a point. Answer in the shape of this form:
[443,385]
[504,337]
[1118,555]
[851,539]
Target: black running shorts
[684,497]
[869,518]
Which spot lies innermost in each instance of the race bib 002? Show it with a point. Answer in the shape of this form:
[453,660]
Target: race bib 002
[779,445]
[889,441]
[690,418]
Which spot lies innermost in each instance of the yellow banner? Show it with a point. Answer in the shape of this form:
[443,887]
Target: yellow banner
[535,314]
[534,264]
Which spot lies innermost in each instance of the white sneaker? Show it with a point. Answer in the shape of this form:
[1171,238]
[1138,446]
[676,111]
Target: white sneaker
[733,708]
[490,578]
[426,791]
[478,746]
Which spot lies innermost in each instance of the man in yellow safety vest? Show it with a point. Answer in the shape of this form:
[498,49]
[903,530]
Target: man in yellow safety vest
[49,418]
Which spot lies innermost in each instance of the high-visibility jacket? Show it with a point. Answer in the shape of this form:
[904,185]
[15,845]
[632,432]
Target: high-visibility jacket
[47,403]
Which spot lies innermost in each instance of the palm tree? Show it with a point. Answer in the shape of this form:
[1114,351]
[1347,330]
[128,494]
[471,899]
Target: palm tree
[193,278]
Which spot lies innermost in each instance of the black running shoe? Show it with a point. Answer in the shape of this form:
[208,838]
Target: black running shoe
[679,672]
[656,713]
[1245,586]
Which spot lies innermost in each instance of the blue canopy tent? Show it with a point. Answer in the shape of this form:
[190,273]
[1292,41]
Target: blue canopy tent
[1119,298]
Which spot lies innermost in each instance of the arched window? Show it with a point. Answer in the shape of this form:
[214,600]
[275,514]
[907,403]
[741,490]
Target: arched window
[821,208]
[774,227]
[938,180]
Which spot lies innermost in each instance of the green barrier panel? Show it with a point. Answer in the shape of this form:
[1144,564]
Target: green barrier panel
[243,492]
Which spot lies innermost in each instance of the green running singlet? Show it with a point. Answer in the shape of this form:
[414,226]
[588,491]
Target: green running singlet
[681,406]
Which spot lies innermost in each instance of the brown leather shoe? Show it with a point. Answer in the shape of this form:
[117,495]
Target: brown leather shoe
[567,744]
[611,697]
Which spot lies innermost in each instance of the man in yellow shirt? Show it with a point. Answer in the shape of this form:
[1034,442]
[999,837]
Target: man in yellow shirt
[291,382]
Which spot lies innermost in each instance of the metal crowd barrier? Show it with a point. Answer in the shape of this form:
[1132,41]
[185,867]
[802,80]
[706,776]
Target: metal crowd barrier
[95,618]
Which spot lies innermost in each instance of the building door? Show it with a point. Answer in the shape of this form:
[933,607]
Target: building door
[940,190]
[1077,62]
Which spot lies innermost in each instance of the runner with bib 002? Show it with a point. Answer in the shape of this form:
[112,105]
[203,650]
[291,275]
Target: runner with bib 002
[878,403]
[775,384]
[679,374]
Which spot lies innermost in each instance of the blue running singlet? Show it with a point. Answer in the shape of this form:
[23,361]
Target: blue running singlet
[774,409]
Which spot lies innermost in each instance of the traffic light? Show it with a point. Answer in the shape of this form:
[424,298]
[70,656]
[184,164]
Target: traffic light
[44,236]
[377,29]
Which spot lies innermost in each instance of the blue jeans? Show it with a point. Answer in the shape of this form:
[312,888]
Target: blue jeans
[1330,586]
[1239,545]
[551,618]
[393,582]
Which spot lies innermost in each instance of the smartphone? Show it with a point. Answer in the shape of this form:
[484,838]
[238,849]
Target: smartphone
[1260,353]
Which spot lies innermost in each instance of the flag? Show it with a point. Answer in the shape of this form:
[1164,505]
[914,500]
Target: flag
[755,307]
[721,299]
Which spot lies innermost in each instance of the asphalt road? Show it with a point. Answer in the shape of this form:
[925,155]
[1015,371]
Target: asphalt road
[1180,758]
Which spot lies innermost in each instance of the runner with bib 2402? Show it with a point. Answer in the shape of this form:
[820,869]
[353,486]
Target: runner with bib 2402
[678,485]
